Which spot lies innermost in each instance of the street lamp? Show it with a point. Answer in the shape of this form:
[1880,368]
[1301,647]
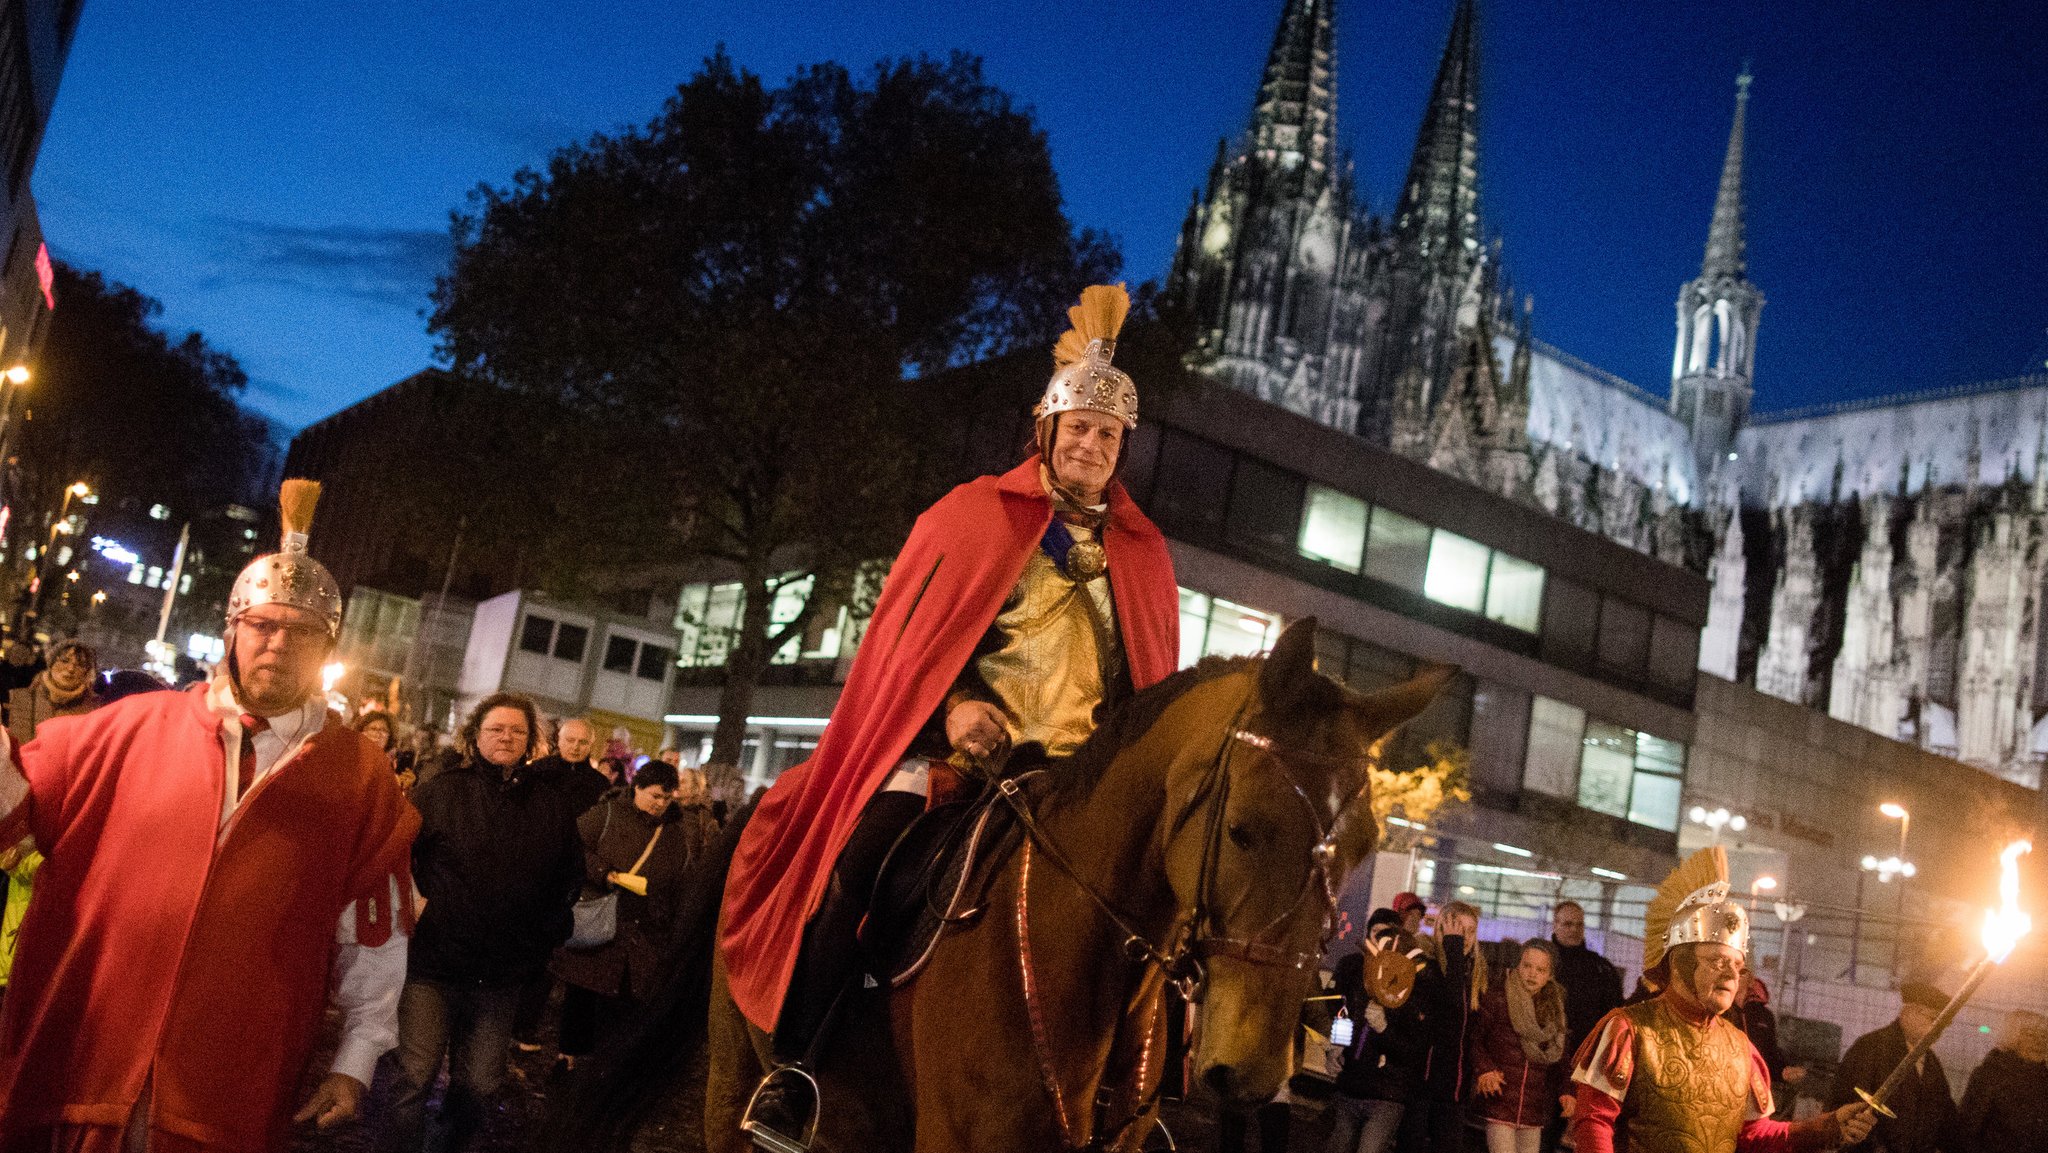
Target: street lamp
[1763,884]
[1717,819]
[16,375]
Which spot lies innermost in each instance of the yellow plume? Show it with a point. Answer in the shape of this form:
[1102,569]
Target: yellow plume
[1699,870]
[1099,316]
[295,500]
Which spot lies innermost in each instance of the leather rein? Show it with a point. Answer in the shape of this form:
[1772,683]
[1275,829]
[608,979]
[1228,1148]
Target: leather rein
[1179,958]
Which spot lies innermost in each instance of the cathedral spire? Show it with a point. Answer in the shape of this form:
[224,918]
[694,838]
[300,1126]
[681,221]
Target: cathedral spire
[1437,219]
[1727,248]
[1294,122]
[1713,363]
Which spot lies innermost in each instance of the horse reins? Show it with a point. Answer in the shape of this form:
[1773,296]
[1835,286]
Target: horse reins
[1180,958]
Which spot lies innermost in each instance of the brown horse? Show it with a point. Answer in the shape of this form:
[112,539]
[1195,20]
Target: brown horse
[1201,837]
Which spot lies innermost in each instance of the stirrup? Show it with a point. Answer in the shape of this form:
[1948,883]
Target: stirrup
[765,1137]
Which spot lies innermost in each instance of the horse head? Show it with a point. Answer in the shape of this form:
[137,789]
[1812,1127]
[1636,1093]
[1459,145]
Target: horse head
[1263,839]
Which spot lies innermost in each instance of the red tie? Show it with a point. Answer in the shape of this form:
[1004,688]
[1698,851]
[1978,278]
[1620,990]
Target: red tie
[245,769]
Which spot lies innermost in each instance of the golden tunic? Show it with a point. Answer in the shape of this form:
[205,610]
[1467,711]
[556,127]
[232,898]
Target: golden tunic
[1058,653]
[1691,1088]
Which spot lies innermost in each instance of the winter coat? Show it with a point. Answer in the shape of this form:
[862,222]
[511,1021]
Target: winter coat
[584,783]
[1529,1092]
[1443,1002]
[1592,986]
[499,862]
[1926,1118]
[30,705]
[2006,1104]
[1386,1065]
[614,833]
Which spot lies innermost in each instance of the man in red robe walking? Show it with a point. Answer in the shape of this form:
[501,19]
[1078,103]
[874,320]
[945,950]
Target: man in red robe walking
[216,858]
[1021,606]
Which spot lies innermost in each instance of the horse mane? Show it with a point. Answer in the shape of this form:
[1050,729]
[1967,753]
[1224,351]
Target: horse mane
[1072,777]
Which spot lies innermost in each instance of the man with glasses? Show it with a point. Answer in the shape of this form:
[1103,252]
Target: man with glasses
[1672,1074]
[499,861]
[219,860]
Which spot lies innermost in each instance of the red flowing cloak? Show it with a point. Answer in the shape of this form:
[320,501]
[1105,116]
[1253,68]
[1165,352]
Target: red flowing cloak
[159,951]
[943,592]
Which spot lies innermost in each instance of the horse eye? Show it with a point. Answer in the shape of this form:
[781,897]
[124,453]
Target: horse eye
[1240,835]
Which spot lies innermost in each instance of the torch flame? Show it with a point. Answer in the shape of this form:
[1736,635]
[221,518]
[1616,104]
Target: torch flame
[2004,926]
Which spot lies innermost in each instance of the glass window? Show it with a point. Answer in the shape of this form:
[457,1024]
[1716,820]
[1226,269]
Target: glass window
[708,617]
[1655,802]
[1624,644]
[536,635]
[1237,631]
[1514,592]
[1333,528]
[1397,549]
[1674,653]
[1194,626]
[569,642]
[1457,571]
[1607,764]
[654,661]
[1571,617]
[1193,483]
[619,653]
[1265,507]
[1556,742]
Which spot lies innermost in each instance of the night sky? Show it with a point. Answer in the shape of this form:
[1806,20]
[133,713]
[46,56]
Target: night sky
[280,175]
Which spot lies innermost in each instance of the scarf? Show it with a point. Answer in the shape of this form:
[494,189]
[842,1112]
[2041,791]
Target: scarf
[1542,1044]
[62,700]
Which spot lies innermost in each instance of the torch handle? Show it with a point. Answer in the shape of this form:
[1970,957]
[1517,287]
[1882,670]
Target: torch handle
[1919,1050]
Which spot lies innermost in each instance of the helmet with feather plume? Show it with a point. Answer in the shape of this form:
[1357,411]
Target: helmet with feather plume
[1083,377]
[290,576]
[1692,907]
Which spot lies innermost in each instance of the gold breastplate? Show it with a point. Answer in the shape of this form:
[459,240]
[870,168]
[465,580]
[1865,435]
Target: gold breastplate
[1691,1086]
[1059,654]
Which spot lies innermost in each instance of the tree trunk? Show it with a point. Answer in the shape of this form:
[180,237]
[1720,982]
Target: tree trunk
[744,663]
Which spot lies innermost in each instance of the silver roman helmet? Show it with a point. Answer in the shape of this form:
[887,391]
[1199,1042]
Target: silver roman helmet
[1083,377]
[1692,907]
[290,576]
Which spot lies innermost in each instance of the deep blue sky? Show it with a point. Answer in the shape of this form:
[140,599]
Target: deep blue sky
[280,174]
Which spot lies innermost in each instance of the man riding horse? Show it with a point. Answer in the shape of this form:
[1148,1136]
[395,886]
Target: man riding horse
[1021,607]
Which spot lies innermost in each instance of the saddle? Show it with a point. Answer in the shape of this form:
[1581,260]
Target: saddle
[936,876]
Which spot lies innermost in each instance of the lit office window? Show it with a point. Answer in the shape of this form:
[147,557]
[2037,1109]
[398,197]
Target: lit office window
[1660,776]
[1397,549]
[708,618]
[1607,762]
[1457,571]
[1194,626]
[1556,742]
[1333,528]
[1514,592]
[1237,631]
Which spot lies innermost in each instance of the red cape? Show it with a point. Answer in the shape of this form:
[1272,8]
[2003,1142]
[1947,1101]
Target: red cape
[158,949]
[963,557]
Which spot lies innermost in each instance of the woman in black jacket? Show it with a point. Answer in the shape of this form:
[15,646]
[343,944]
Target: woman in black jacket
[2006,1103]
[602,984]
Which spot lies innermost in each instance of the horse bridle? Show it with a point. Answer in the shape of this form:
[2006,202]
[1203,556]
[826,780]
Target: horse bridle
[1181,957]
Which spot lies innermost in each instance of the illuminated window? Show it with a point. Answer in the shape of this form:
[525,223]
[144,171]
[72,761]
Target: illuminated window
[1457,571]
[155,579]
[1514,592]
[1333,528]
[1211,626]
[1194,626]
[1556,734]
[1660,777]
[135,574]
[1397,549]
[185,584]
[1606,764]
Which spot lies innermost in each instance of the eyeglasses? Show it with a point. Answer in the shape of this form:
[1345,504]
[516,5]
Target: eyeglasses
[516,733]
[265,630]
[1730,965]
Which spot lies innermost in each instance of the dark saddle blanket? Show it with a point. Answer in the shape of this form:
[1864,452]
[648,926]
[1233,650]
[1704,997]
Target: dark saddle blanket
[936,877]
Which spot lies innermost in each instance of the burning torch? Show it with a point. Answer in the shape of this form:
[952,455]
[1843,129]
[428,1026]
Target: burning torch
[2003,928]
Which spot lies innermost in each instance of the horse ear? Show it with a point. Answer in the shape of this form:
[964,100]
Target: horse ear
[1386,710]
[1290,665]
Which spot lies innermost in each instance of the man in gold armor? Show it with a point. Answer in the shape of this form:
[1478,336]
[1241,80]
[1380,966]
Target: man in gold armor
[1021,608]
[1672,1074]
